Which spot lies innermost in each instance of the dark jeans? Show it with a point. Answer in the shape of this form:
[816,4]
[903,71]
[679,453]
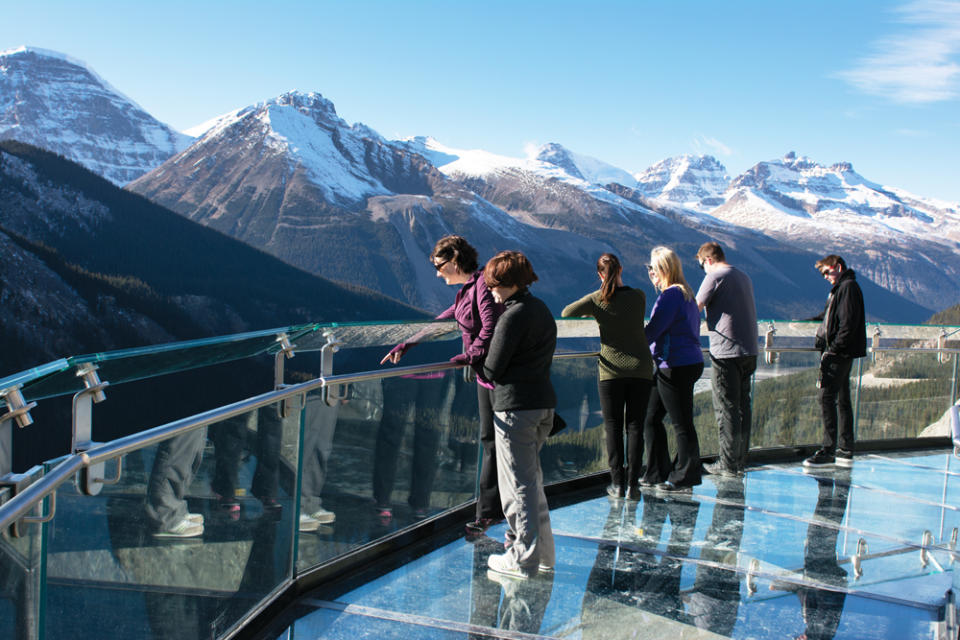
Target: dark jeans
[319,426]
[731,404]
[400,397]
[177,461]
[624,403]
[835,399]
[230,440]
[488,495]
[674,396]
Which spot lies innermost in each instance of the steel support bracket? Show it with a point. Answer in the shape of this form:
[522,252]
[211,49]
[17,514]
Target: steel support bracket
[12,484]
[332,394]
[90,480]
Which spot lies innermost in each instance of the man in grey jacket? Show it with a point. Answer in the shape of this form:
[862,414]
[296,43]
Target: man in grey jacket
[727,295]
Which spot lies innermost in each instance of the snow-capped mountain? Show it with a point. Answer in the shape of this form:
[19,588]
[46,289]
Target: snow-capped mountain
[628,222]
[54,102]
[908,244]
[693,182]
[89,267]
[290,176]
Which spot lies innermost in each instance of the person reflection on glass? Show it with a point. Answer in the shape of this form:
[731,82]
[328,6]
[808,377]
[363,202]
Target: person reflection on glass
[262,430]
[176,463]
[822,607]
[420,395]
[658,586]
[612,582]
[715,599]
[523,603]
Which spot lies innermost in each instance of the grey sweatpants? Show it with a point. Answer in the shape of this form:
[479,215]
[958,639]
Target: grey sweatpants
[519,437]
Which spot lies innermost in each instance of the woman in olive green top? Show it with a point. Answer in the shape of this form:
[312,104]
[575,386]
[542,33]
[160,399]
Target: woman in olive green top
[626,370]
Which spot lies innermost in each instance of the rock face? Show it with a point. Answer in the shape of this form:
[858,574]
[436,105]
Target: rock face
[291,177]
[51,101]
[89,267]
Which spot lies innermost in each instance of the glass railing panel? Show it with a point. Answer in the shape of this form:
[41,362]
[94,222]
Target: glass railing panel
[196,532]
[31,376]
[382,455]
[357,335]
[21,574]
[579,449]
[130,365]
[785,407]
[904,395]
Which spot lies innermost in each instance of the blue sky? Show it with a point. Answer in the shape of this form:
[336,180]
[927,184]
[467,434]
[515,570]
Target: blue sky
[875,83]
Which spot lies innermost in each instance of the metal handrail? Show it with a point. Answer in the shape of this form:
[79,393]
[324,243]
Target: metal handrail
[22,503]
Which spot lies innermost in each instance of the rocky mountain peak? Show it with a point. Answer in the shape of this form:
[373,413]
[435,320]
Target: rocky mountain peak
[52,101]
[558,155]
[695,182]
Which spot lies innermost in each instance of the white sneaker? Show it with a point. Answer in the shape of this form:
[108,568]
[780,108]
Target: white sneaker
[502,564]
[324,516]
[183,529]
[308,524]
[196,518]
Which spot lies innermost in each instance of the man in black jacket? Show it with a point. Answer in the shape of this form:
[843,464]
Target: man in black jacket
[842,336]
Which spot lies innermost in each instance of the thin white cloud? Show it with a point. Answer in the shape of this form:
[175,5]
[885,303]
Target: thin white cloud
[912,133]
[711,144]
[531,148]
[919,66]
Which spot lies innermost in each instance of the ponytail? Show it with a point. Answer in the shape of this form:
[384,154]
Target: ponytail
[609,267]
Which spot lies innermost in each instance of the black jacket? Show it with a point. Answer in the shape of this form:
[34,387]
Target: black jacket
[844,331]
[520,355]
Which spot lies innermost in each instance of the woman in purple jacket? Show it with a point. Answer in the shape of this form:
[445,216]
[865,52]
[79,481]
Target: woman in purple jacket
[674,337]
[476,312]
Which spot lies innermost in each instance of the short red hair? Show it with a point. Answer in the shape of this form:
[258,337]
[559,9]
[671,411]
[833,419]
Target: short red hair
[509,269]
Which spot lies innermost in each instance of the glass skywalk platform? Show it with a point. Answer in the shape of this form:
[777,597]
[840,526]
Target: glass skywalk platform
[777,554]
[322,502]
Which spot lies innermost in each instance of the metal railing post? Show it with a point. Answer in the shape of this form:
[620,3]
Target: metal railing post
[333,393]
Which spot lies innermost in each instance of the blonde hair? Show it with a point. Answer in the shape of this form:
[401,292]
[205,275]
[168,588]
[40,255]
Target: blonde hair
[666,263]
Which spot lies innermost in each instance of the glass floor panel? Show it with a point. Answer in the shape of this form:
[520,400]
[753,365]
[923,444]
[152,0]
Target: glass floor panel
[777,554]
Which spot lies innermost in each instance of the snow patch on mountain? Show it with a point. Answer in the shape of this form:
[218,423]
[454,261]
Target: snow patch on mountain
[796,196]
[580,166]
[332,167]
[692,182]
[52,101]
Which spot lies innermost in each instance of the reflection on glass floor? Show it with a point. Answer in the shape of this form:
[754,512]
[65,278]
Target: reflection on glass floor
[861,553]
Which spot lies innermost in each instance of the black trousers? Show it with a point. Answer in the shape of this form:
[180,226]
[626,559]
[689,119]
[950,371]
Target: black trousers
[674,396]
[731,404]
[624,404]
[488,494]
[835,406]
[400,397]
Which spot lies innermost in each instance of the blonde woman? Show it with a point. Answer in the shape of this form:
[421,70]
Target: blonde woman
[673,334]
